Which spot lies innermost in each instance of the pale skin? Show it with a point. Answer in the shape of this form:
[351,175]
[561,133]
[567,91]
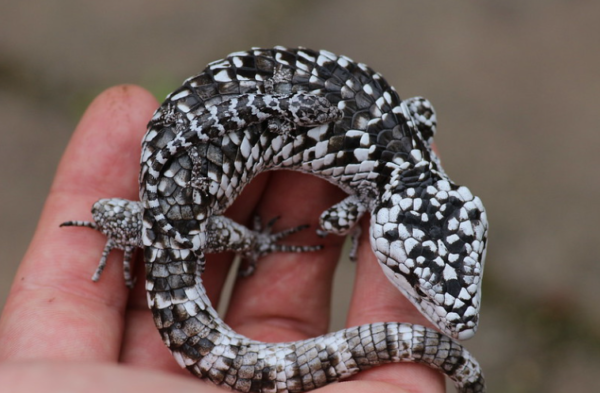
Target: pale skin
[60,332]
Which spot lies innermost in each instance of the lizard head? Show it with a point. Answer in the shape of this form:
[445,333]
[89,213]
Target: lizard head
[430,241]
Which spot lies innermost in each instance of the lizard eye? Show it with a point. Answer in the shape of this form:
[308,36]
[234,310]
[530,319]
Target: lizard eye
[420,293]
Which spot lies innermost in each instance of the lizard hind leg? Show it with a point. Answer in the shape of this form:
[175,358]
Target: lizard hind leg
[224,234]
[267,242]
[120,221]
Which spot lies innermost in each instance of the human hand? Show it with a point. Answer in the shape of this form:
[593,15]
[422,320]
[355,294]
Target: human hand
[61,332]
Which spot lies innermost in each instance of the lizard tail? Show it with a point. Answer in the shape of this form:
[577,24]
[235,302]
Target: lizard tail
[202,343]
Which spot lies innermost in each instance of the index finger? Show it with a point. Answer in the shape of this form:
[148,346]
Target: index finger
[54,310]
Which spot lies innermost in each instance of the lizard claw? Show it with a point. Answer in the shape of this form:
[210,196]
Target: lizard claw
[266,243]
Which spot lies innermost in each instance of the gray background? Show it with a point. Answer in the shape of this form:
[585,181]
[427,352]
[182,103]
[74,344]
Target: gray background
[515,85]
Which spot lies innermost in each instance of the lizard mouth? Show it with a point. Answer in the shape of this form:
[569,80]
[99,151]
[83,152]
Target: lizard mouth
[457,320]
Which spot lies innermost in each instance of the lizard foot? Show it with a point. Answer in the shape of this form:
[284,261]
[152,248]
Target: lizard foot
[267,242]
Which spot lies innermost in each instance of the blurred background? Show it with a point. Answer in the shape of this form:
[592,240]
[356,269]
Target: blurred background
[515,83]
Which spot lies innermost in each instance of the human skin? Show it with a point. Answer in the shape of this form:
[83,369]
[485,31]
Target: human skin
[60,332]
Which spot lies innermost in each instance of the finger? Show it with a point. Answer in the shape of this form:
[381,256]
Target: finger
[288,296]
[92,377]
[375,299]
[363,387]
[54,311]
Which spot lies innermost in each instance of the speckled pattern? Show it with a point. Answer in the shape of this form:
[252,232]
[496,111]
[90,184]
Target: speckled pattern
[322,114]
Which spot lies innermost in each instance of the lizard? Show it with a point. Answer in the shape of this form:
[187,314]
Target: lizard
[326,115]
